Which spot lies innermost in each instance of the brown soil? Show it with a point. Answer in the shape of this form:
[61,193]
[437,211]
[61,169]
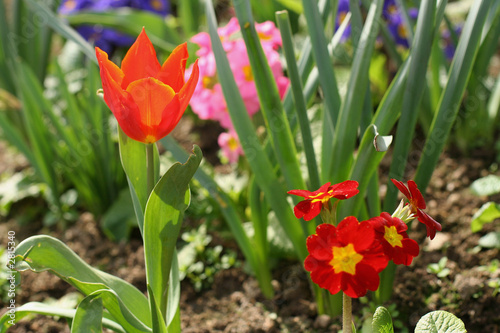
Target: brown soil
[234,303]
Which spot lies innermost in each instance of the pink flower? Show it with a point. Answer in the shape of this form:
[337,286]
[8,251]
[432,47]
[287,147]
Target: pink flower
[208,101]
[230,145]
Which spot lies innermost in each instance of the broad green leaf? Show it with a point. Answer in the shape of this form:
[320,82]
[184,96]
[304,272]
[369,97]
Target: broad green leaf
[440,322]
[490,241]
[88,316]
[134,162]
[156,316]
[44,253]
[174,296]
[48,310]
[382,321]
[488,185]
[114,304]
[119,219]
[486,214]
[162,222]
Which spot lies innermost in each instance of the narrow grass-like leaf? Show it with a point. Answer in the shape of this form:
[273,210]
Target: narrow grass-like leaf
[277,125]
[130,22]
[452,95]
[49,310]
[42,253]
[41,140]
[327,80]
[190,15]
[349,118]
[298,97]
[162,223]
[88,316]
[368,159]
[229,211]
[421,50]
[48,17]
[259,163]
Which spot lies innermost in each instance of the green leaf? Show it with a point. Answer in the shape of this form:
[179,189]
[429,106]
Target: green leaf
[486,214]
[440,322]
[156,316]
[488,185]
[256,156]
[490,241]
[46,16]
[131,22]
[278,128]
[346,131]
[174,296]
[118,220]
[88,317]
[134,162]
[162,222]
[44,253]
[48,310]
[382,321]
[451,97]
[228,209]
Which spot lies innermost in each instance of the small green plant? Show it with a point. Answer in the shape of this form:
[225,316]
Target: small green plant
[439,268]
[436,321]
[198,262]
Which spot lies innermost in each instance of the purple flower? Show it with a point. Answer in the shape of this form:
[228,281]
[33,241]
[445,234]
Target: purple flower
[105,38]
[447,42]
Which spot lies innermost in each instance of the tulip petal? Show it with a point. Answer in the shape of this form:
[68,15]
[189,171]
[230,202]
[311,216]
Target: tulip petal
[172,70]
[152,97]
[187,90]
[114,71]
[122,105]
[140,61]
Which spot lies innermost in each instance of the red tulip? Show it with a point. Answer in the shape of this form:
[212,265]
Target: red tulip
[147,99]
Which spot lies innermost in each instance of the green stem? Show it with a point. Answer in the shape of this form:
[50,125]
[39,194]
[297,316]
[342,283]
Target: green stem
[346,314]
[150,167]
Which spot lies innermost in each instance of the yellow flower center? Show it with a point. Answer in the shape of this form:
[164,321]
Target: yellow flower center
[345,259]
[320,197]
[392,9]
[247,70]
[70,5]
[341,17]
[263,36]
[232,144]
[402,32]
[157,5]
[209,82]
[392,237]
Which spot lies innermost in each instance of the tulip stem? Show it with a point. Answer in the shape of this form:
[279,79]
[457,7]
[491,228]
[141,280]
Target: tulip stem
[150,167]
[347,314]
